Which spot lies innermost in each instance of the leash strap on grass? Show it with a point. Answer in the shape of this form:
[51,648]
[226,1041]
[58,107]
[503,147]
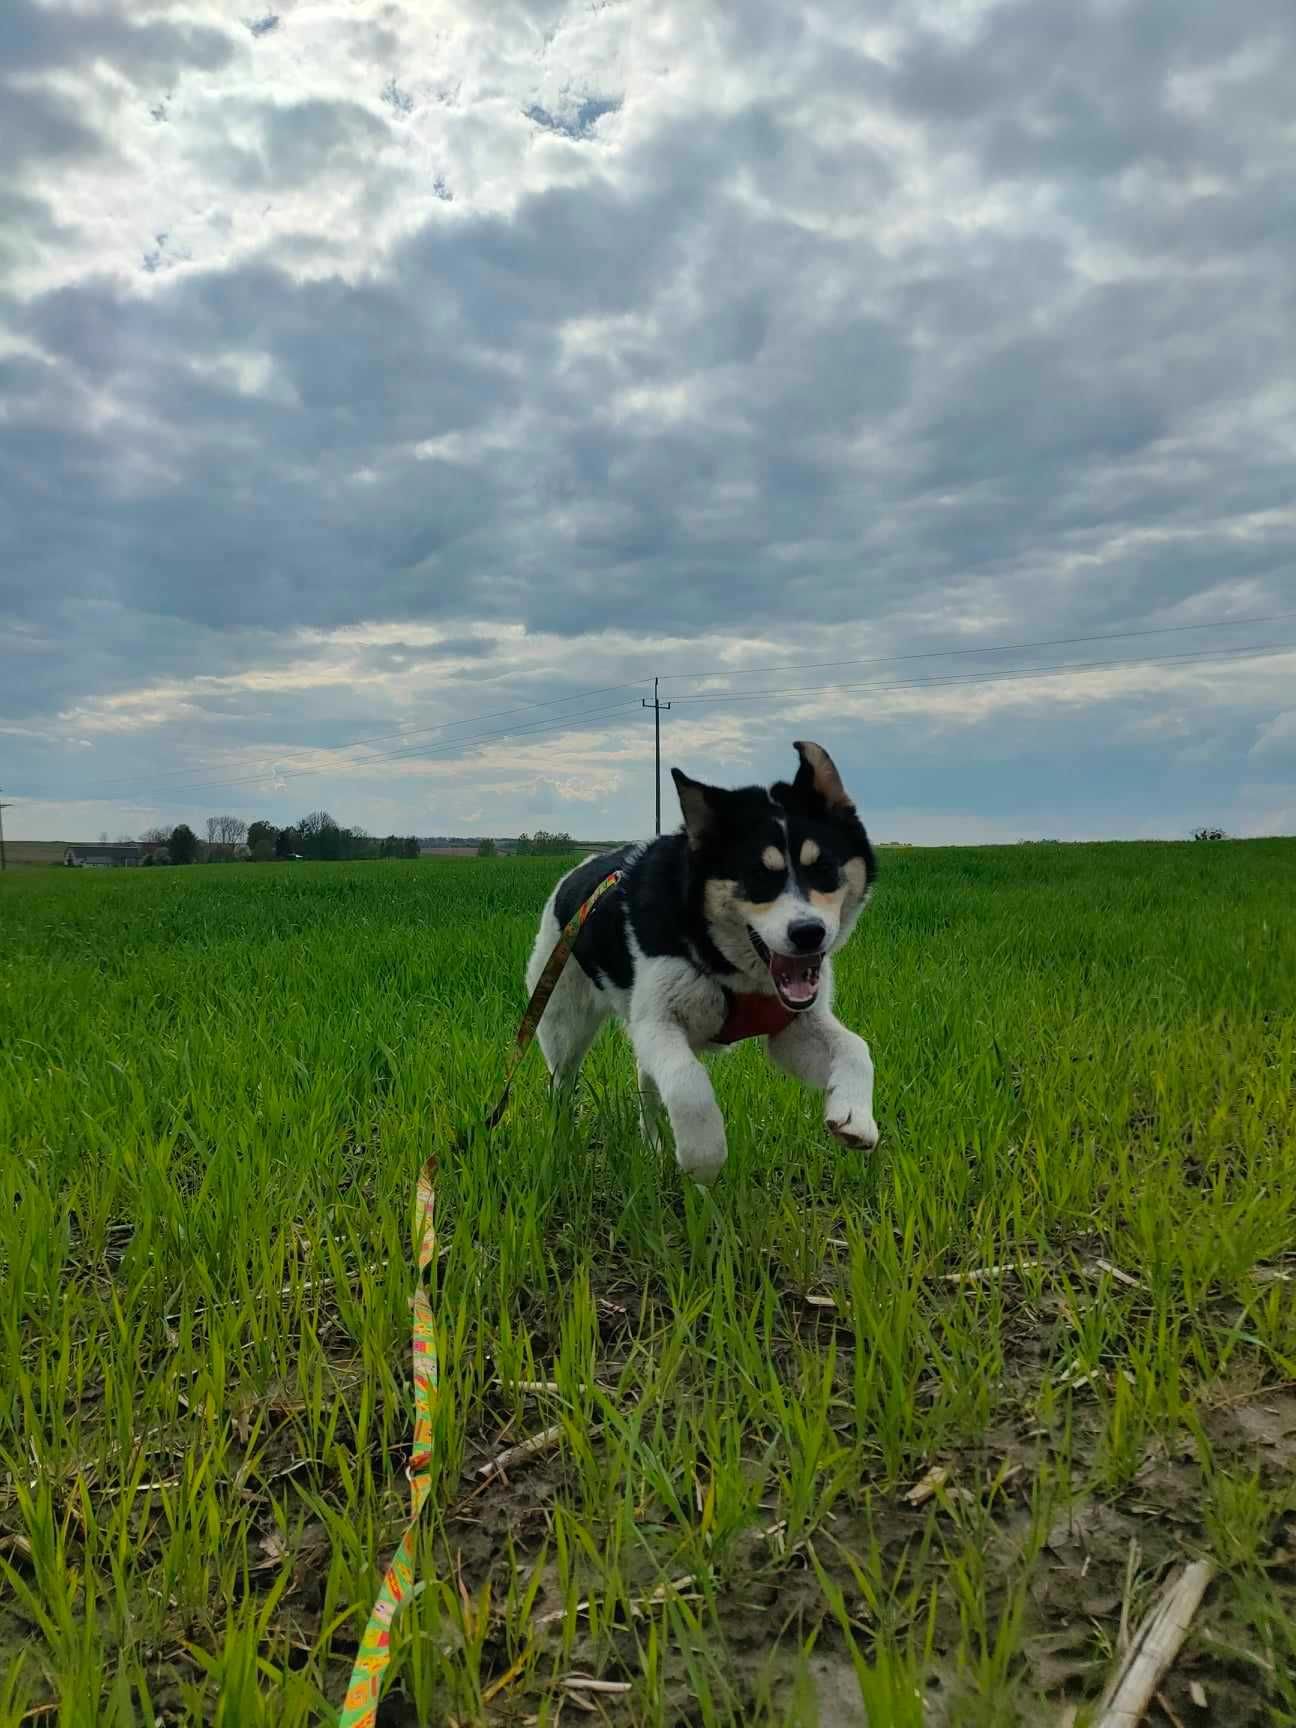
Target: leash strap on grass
[360,1709]
[544,989]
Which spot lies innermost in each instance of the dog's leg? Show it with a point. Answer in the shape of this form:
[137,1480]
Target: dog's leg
[667,1062]
[651,1110]
[568,1025]
[573,1013]
[818,1049]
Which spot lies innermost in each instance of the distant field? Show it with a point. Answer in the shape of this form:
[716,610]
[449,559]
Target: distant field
[216,1088]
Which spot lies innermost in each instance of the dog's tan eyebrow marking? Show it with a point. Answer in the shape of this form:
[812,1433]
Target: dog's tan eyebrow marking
[773,859]
[809,852]
[856,873]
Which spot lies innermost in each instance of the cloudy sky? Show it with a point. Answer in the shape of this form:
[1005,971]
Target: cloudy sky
[389,391]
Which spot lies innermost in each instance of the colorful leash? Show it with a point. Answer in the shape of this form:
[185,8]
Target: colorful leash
[360,1709]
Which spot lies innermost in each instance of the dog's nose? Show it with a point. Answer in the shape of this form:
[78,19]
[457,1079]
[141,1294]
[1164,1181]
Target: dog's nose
[806,935]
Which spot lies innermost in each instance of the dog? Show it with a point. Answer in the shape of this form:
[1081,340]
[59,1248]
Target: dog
[721,931]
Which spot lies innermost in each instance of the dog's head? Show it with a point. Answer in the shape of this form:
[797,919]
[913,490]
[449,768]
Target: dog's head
[783,873]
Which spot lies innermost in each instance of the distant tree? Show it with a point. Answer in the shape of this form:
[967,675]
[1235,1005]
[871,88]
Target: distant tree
[226,831]
[356,842]
[319,837]
[524,846]
[487,848]
[398,846]
[288,843]
[1209,834]
[547,844]
[154,844]
[261,839]
[103,836]
[183,844]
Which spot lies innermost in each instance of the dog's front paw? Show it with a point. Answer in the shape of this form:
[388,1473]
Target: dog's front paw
[850,1120]
[701,1160]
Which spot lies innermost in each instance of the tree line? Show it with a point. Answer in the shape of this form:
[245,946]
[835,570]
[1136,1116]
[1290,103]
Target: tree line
[230,839]
[543,844]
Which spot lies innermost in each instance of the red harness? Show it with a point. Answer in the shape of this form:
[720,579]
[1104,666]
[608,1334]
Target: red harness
[753,1017]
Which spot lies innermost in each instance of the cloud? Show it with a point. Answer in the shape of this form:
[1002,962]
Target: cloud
[1277,739]
[36,125]
[289,145]
[37,37]
[368,377]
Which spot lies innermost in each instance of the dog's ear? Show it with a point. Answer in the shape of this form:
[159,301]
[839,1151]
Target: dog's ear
[698,802]
[817,783]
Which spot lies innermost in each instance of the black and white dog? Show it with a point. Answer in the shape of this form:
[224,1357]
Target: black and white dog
[722,931]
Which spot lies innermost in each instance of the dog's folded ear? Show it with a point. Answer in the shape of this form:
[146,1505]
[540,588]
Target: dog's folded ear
[698,802]
[818,785]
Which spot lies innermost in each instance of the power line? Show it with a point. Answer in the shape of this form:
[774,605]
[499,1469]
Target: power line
[414,730]
[411,731]
[985,648]
[572,721]
[996,677]
[568,722]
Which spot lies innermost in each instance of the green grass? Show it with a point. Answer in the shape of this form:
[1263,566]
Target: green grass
[216,1089]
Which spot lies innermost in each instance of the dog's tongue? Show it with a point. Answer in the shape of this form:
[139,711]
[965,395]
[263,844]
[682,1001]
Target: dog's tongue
[797,978]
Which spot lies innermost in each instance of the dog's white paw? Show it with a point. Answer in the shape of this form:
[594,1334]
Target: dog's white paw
[703,1162]
[850,1119]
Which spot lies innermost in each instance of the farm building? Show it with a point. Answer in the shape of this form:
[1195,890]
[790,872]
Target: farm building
[30,853]
[103,856]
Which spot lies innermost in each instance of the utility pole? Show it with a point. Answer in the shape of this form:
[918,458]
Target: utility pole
[3,808]
[656,705]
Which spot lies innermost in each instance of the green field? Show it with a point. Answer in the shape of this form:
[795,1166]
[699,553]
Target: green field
[216,1088]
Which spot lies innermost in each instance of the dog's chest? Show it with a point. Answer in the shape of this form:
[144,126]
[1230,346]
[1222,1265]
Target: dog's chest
[670,988]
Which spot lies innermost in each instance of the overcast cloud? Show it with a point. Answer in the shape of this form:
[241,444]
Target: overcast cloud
[371,372]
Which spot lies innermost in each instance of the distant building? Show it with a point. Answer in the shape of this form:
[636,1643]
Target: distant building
[104,856]
[34,852]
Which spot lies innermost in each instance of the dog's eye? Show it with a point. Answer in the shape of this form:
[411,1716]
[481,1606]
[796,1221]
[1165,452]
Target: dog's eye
[824,874]
[765,885]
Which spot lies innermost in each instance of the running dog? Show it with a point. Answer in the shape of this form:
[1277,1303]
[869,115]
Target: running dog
[724,930]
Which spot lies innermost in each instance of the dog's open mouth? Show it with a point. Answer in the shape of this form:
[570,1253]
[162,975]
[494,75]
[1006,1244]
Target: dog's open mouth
[795,976]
